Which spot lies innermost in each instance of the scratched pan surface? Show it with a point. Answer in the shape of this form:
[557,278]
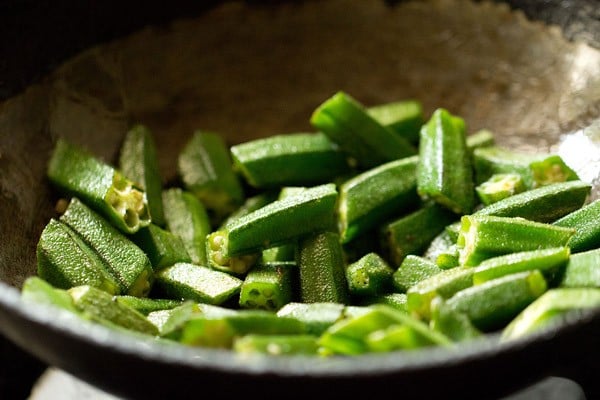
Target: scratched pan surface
[252,69]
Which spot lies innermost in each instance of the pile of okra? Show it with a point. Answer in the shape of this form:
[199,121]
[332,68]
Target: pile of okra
[382,229]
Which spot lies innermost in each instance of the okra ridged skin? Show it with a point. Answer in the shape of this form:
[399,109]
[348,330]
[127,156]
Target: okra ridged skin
[294,159]
[370,198]
[404,117]
[346,122]
[268,286]
[455,324]
[125,261]
[369,276]
[586,222]
[64,260]
[77,173]
[444,172]
[206,169]
[139,163]
[317,317]
[582,270]
[163,247]
[413,270]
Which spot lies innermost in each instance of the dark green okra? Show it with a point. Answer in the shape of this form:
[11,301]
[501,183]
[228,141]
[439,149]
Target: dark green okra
[294,159]
[369,276]
[485,236]
[164,248]
[404,117]
[582,270]
[346,122]
[206,169]
[234,247]
[187,218]
[77,173]
[370,198]
[586,222]
[125,261]
[64,260]
[146,305]
[444,172]
[138,161]
[251,204]
[413,270]
[269,286]
[276,345]
[322,267]
[498,187]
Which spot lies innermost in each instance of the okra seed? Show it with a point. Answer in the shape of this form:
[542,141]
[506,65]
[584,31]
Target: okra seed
[254,292]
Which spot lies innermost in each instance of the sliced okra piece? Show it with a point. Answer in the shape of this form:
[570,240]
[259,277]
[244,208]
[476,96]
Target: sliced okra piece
[481,138]
[138,161]
[441,243]
[404,117]
[234,247]
[395,300]
[454,324]
[251,204]
[412,233]
[99,306]
[346,122]
[498,187]
[125,261]
[443,284]
[550,308]
[37,290]
[369,276]
[586,221]
[413,270]
[145,305]
[321,264]
[268,286]
[198,283]
[206,169]
[284,252]
[187,218]
[294,159]
[171,322]
[64,260]
[317,317]
[582,270]
[486,236]
[275,345]
[444,172]
[371,197]
[77,173]
[164,248]
[449,258]
[548,261]
[536,169]
[493,304]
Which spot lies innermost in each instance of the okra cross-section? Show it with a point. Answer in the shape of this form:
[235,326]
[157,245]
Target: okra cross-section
[276,223]
[76,172]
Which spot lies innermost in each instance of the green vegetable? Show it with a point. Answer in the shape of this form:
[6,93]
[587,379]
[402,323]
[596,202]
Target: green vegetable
[586,222]
[76,172]
[146,305]
[370,275]
[37,290]
[582,270]
[317,317]
[413,270]
[498,187]
[268,286]
[164,248]
[395,300]
[276,345]
[404,117]
[452,323]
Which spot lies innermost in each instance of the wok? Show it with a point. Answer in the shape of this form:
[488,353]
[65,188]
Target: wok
[527,70]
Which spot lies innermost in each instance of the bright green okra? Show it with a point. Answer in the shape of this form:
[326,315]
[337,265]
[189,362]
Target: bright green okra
[234,247]
[38,290]
[146,305]
[498,187]
[413,270]
[346,122]
[317,317]
[268,286]
[582,270]
[444,172]
[77,173]
[206,169]
[369,276]
[138,161]
[586,221]
[276,345]
[404,117]
[163,248]
[294,159]
[455,324]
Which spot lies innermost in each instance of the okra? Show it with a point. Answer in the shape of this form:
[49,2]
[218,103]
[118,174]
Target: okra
[395,300]
[444,172]
[125,261]
[346,122]
[493,304]
[370,275]
[164,248]
[452,323]
[322,267]
[100,306]
[171,322]
[77,173]
[582,270]
[206,170]
[38,290]
[64,260]
[548,261]
[187,218]
[370,198]
[197,283]
[551,308]
[449,258]
[412,233]
[294,159]
[586,222]
[411,334]
[317,317]
[145,305]
[276,345]
[404,117]
[413,270]
[233,247]
[251,204]
[138,161]
[498,187]
[485,236]
[268,286]
[481,138]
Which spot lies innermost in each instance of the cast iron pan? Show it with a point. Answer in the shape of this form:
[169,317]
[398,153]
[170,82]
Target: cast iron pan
[527,70]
